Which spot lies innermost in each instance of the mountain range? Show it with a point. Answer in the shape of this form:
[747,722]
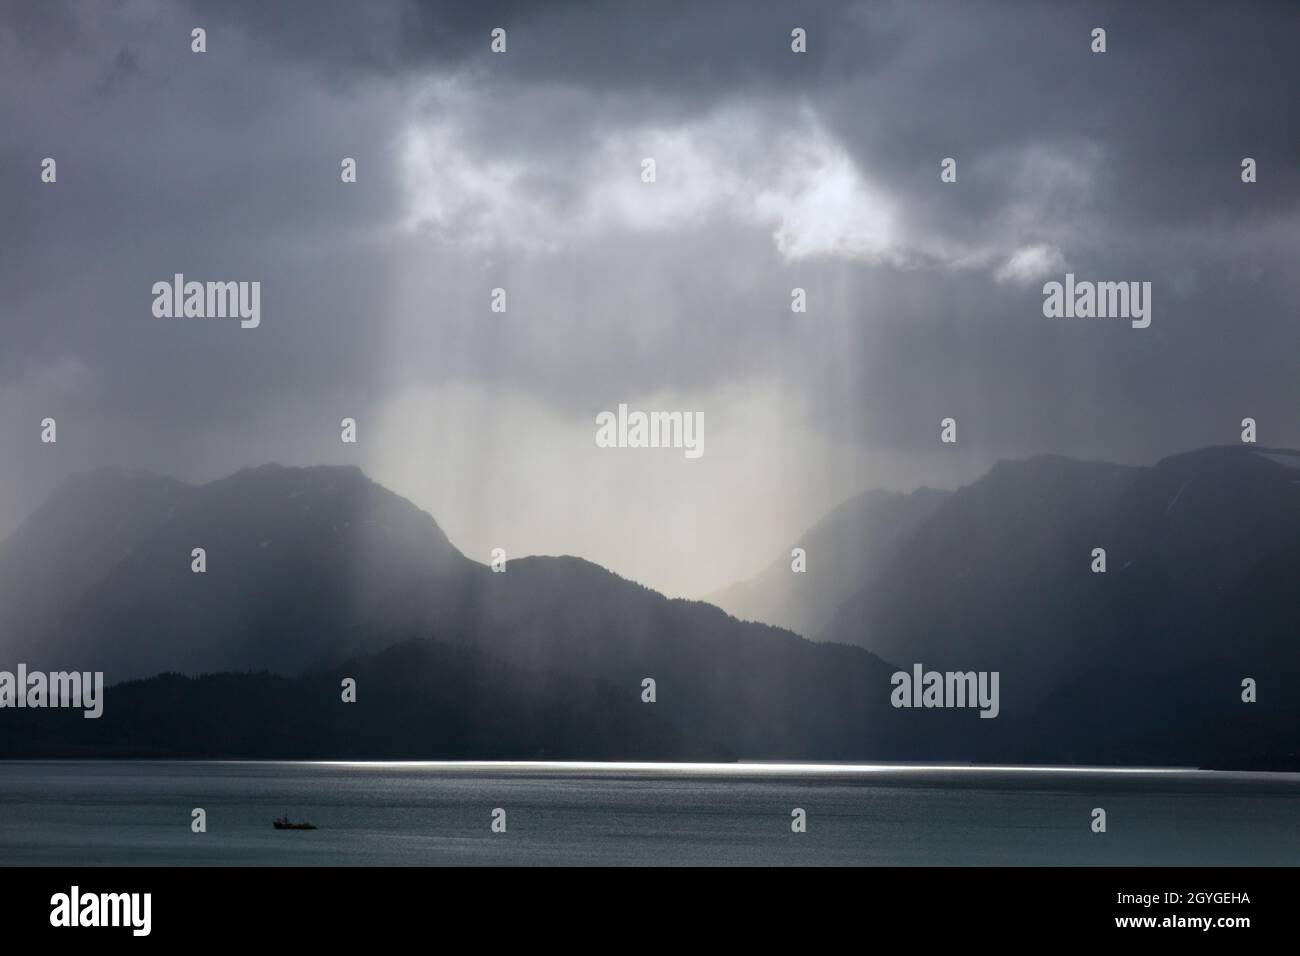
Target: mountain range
[318,574]
[853,543]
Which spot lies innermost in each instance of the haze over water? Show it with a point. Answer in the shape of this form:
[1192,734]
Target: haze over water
[138,813]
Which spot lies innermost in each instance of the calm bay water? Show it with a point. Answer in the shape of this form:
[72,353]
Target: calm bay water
[128,813]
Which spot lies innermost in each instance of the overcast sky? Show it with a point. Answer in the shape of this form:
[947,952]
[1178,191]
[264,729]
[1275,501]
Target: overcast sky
[523,171]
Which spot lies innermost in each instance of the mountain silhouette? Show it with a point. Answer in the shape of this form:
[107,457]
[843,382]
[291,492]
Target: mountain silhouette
[848,546]
[315,571]
[1199,552]
[308,566]
[417,700]
[1144,663]
[297,559]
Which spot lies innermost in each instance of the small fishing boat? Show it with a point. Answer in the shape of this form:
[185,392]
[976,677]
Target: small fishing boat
[282,823]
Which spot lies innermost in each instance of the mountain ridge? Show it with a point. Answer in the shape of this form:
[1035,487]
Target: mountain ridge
[312,565]
[847,543]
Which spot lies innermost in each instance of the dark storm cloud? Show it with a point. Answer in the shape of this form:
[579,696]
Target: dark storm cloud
[1183,92]
[669,49]
[225,166]
[1183,87]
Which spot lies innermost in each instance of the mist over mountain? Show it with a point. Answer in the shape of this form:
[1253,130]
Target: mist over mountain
[309,566]
[313,573]
[89,524]
[757,689]
[99,578]
[1201,555]
[851,544]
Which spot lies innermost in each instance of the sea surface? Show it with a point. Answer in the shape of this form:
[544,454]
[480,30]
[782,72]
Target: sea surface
[139,813]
